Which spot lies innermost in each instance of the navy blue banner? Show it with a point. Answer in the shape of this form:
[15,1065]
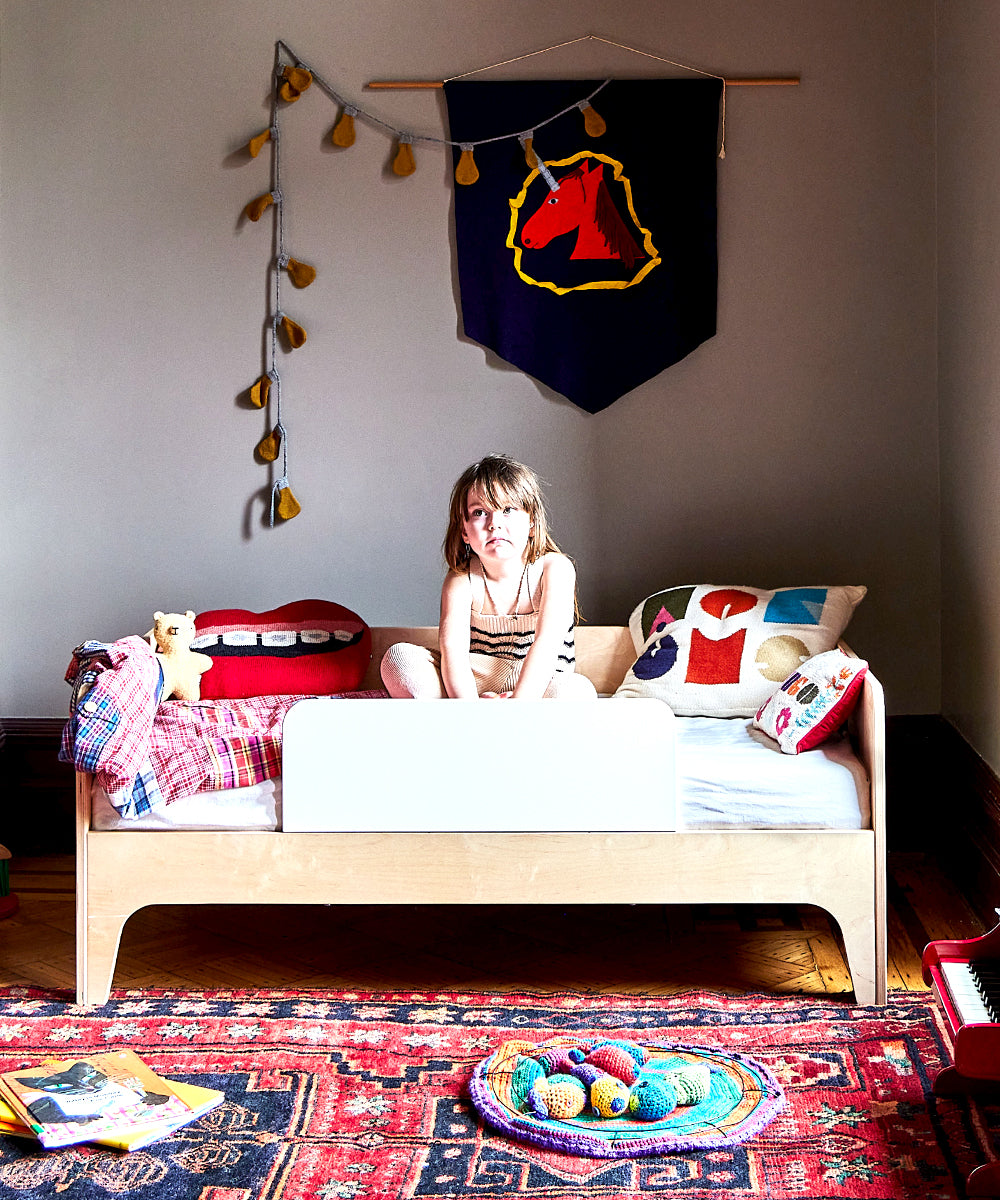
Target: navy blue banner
[599,283]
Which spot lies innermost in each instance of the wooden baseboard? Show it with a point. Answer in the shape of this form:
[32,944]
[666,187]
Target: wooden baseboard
[37,815]
[942,798]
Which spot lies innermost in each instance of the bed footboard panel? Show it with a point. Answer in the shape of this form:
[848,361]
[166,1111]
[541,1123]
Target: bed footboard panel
[127,871]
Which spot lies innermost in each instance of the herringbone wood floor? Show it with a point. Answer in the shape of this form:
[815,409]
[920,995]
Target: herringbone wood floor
[600,947]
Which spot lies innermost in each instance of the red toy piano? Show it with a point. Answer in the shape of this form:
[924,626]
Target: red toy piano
[966,978]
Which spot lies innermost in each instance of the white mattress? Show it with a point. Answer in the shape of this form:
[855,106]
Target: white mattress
[729,776]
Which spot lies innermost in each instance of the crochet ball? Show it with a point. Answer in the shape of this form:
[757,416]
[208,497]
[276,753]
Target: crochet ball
[560,1096]
[692,1082]
[616,1060]
[556,1060]
[586,1072]
[526,1074]
[651,1099]
[639,1053]
[609,1096]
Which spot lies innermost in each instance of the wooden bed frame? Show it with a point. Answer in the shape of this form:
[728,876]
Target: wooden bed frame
[842,872]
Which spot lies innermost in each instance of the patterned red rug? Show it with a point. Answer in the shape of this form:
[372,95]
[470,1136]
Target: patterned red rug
[351,1096]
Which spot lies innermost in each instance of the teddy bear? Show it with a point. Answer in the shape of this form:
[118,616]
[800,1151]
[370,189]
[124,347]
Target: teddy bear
[171,636]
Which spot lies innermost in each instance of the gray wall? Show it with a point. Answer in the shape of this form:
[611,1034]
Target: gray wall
[969,292]
[797,446]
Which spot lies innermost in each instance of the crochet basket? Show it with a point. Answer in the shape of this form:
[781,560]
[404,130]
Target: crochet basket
[743,1097]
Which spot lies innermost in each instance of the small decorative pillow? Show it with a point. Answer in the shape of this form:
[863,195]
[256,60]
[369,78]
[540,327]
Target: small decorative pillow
[714,651]
[813,702]
[308,648]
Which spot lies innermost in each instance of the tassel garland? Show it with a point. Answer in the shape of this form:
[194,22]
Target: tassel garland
[295,335]
[257,207]
[404,163]
[300,273]
[296,80]
[593,122]
[466,172]
[256,144]
[343,132]
[260,391]
[287,506]
[269,445]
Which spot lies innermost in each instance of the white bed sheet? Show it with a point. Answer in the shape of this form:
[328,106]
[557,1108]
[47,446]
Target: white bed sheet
[729,776]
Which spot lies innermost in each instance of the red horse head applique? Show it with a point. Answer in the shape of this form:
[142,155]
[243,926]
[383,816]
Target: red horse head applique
[582,202]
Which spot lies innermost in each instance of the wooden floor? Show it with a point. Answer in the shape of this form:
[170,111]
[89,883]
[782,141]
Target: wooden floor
[594,948]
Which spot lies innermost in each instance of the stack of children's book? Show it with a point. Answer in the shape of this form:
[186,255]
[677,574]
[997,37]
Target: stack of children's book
[113,1099]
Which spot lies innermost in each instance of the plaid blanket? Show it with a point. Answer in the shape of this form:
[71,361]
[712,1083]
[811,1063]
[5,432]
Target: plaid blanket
[146,754]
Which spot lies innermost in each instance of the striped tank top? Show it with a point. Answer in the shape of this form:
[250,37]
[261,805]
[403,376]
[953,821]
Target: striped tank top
[507,638]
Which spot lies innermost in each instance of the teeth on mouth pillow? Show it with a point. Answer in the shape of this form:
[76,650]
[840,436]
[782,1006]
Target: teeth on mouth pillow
[307,648]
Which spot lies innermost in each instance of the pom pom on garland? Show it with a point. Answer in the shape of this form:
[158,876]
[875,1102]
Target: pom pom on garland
[292,330]
[404,163]
[300,273]
[270,444]
[288,506]
[593,122]
[296,80]
[260,391]
[343,133]
[256,144]
[258,206]
[466,172]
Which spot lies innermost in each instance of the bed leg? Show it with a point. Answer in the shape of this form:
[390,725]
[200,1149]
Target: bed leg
[97,945]
[864,948]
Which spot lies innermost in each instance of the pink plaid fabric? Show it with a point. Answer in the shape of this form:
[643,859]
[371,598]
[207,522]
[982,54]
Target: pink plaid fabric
[220,744]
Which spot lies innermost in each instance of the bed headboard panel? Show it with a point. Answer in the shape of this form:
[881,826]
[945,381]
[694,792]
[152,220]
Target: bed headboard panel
[604,653]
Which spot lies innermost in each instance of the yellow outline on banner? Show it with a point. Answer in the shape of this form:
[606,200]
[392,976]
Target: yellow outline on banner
[620,177]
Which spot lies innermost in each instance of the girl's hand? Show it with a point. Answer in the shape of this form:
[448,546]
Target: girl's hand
[497,696]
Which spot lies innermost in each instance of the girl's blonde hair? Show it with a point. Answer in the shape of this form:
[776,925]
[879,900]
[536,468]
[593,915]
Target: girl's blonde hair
[498,479]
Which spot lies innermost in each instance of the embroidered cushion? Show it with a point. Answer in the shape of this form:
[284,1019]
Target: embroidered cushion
[721,651]
[309,647]
[813,702]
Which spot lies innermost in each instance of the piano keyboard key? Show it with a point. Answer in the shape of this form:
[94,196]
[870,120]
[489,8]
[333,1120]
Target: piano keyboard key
[974,988]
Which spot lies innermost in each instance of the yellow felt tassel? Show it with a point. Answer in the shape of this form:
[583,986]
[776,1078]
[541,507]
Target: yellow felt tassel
[256,208]
[294,332]
[343,132]
[256,144]
[404,162]
[466,171]
[593,122]
[530,157]
[269,446]
[288,506]
[297,79]
[300,273]
[260,391]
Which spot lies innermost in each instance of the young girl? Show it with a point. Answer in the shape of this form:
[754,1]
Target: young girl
[508,603]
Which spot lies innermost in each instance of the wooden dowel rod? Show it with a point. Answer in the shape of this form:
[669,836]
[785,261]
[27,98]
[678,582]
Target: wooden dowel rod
[414,84]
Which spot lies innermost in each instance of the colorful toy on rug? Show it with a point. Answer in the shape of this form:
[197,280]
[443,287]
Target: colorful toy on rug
[612,1098]
[171,637]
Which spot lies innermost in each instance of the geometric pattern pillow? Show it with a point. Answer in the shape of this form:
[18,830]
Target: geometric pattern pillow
[813,702]
[721,651]
[307,648]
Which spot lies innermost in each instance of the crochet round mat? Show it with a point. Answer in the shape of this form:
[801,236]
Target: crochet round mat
[743,1097]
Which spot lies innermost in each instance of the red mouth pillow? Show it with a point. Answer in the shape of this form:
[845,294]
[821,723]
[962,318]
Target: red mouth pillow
[308,648]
